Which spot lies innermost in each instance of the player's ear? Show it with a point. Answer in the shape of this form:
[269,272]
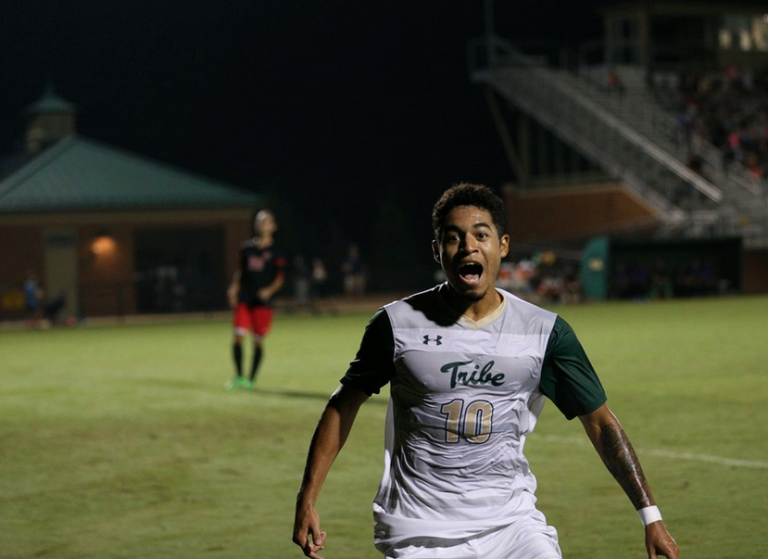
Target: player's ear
[436,251]
[504,245]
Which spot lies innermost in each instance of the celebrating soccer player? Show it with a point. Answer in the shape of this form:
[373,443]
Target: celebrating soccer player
[469,369]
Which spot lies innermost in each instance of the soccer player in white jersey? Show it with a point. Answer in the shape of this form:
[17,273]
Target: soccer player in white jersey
[469,369]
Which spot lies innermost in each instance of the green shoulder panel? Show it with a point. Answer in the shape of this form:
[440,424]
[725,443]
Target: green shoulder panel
[567,377]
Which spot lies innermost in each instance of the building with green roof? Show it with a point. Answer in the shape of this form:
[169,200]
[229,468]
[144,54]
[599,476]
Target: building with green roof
[108,232]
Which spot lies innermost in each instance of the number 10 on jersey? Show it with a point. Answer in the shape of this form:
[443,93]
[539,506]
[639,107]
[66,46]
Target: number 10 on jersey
[471,421]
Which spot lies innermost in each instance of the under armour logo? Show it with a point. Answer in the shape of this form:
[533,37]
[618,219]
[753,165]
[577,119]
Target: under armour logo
[437,339]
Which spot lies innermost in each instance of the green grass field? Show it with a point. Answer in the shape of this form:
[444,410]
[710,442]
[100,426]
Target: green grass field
[120,441]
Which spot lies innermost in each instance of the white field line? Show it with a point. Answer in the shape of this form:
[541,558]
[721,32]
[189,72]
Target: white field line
[754,464]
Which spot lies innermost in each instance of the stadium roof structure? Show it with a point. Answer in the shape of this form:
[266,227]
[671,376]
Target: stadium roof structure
[78,174]
[722,5]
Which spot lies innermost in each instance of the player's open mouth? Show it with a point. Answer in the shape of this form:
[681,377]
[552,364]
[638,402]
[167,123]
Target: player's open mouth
[471,272]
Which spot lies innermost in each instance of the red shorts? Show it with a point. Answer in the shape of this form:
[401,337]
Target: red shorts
[253,319]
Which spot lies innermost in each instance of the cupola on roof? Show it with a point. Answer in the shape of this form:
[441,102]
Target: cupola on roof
[50,102]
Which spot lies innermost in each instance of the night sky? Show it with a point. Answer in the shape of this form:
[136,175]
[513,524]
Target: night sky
[348,111]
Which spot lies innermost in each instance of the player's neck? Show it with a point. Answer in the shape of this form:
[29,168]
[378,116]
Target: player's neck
[475,310]
[263,241]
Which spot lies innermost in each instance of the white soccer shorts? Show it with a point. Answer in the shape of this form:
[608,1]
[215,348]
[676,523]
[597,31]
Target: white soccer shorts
[527,538]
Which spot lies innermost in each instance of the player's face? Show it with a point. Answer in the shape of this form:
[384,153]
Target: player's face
[264,223]
[470,252]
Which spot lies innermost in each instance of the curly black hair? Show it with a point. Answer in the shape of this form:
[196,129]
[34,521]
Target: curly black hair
[466,194]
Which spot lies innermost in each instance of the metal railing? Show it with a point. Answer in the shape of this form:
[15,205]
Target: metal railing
[633,139]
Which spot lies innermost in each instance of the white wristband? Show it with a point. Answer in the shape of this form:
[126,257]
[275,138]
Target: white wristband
[649,515]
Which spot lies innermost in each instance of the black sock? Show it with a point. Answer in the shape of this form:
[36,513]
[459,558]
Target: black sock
[257,353]
[237,354]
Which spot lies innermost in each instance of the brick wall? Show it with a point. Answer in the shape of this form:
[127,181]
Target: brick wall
[21,249]
[106,280]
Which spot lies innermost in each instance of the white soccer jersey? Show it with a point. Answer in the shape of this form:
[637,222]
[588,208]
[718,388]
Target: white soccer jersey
[463,397]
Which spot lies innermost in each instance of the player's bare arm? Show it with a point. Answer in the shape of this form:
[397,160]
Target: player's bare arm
[613,446]
[234,289]
[266,293]
[328,440]
[618,455]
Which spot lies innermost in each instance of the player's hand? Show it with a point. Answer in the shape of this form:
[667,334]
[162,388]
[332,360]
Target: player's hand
[264,294]
[659,543]
[306,532]
[232,298]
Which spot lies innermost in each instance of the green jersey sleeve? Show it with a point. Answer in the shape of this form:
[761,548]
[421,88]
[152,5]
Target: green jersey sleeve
[567,376]
[373,365]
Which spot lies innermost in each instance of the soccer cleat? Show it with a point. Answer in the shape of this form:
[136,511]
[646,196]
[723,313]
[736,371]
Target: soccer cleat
[248,385]
[234,384]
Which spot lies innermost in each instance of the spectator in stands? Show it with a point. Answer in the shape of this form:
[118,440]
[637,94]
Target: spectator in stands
[754,165]
[614,83]
[506,279]
[527,271]
[728,109]
[550,288]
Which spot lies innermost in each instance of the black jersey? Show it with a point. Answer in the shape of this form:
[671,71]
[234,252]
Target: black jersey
[258,269]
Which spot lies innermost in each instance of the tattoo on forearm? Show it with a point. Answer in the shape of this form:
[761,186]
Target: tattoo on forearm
[622,462]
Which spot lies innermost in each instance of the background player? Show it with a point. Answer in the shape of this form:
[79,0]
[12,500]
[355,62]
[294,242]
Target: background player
[469,368]
[261,274]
